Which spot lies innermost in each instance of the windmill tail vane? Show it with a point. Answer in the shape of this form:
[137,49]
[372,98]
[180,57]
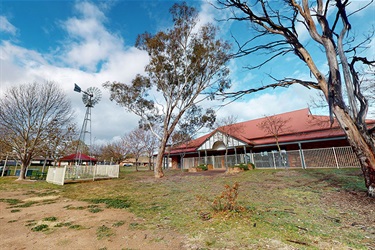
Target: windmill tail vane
[77,88]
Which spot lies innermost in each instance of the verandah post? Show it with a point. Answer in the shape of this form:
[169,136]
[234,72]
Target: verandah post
[302,156]
[334,154]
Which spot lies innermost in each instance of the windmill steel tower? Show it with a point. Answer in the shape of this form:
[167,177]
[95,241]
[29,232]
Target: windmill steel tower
[90,97]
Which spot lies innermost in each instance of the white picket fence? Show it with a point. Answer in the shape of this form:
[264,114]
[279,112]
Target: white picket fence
[60,175]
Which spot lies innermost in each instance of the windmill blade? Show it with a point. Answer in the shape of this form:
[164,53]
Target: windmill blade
[91,96]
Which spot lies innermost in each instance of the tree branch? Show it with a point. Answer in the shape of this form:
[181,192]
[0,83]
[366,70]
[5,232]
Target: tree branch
[281,83]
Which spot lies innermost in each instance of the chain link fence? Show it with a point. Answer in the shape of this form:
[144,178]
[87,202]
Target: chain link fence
[335,157]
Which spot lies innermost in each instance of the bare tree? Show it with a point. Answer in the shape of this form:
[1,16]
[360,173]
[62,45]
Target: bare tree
[114,152]
[58,142]
[33,115]
[151,143]
[136,144]
[275,126]
[185,61]
[327,23]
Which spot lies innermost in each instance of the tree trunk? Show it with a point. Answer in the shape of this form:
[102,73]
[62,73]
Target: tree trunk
[22,172]
[158,169]
[149,163]
[362,146]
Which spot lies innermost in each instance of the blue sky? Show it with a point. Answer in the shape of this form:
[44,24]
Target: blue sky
[91,42]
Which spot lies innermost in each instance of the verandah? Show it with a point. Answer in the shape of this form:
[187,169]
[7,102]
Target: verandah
[334,157]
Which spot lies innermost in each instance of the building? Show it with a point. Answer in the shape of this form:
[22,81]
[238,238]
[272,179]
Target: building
[74,158]
[252,142]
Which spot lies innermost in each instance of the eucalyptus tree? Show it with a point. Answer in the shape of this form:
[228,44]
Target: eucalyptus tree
[275,29]
[32,116]
[187,62]
[113,152]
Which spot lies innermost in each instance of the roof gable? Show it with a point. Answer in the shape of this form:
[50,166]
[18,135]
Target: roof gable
[218,136]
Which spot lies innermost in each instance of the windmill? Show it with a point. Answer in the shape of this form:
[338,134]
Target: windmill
[90,97]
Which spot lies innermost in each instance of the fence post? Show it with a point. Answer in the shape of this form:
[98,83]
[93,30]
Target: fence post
[63,175]
[252,158]
[273,158]
[93,172]
[302,156]
[334,153]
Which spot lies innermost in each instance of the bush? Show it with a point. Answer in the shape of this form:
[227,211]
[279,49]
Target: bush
[203,167]
[251,165]
[243,166]
[227,201]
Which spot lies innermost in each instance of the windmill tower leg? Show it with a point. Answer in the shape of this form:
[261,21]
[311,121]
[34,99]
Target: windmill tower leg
[82,136]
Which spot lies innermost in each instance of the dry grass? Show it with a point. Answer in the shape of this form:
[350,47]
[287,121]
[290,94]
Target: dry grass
[291,209]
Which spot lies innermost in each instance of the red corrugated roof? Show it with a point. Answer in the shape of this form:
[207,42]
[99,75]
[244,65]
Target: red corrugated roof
[75,157]
[301,126]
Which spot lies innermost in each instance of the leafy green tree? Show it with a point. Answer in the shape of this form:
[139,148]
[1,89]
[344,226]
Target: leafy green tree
[31,117]
[186,63]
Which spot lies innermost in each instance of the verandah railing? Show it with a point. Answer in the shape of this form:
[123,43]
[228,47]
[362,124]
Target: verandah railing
[335,157]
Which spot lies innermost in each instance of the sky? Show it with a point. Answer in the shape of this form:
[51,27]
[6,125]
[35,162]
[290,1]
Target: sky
[91,42]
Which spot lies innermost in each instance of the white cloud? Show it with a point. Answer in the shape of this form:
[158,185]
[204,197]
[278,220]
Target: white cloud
[89,42]
[6,26]
[91,56]
[206,14]
[268,103]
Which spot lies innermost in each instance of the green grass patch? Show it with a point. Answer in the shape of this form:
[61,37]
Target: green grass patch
[118,223]
[52,218]
[104,232]
[11,201]
[40,228]
[94,209]
[26,204]
[76,227]
[15,210]
[63,224]
[112,202]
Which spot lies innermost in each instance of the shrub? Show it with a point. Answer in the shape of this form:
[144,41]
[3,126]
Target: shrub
[203,167]
[251,165]
[243,166]
[227,201]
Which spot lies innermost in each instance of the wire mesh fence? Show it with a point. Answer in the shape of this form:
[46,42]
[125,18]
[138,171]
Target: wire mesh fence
[335,157]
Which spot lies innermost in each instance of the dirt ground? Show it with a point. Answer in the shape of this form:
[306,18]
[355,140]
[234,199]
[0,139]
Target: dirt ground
[75,226]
